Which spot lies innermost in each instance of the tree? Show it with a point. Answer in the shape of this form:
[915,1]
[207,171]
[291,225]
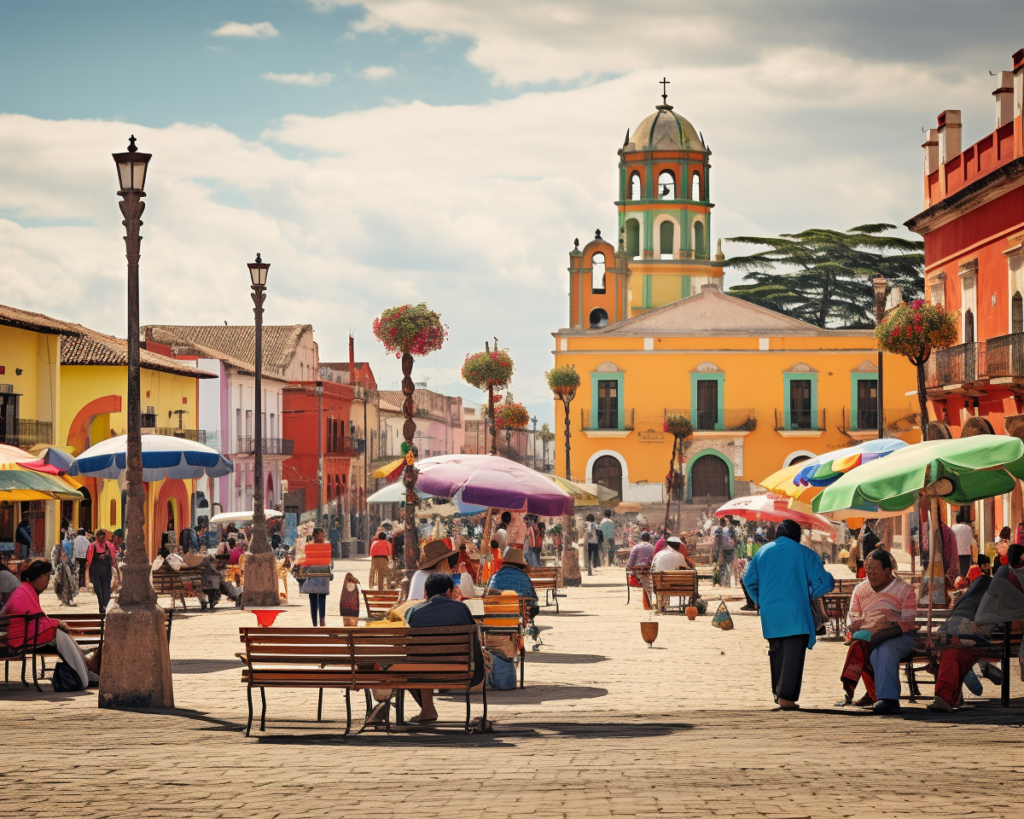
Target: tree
[826,275]
[680,428]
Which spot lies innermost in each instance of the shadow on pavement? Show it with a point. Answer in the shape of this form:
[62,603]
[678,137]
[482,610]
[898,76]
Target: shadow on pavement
[535,657]
[536,694]
[204,666]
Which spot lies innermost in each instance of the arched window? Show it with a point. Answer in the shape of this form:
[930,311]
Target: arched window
[597,281]
[968,327]
[698,240]
[695,187]
[667,235]
[633,238]
[598,318]
[667,185]
[634,186]
[1017,314]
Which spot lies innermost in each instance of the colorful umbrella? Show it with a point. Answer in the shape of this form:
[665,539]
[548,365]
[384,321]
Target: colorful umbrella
[26,485]
[492,481]
[238,517]
[772,507]
[827,469]
[13,458]
[163,456]
[968,469]
[587,494]
[389,471]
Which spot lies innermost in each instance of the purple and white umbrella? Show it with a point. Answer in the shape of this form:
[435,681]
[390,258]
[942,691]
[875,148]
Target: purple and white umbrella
[490,480]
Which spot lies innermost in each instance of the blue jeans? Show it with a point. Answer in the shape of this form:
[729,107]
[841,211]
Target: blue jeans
[886,659]
[318,602]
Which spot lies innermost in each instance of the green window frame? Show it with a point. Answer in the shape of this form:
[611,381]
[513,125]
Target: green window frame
[787,380]
[718,378]
[855,379]
[594,378]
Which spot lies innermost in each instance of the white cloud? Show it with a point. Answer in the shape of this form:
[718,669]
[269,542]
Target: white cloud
[255,31]
[310,78]
[377,72]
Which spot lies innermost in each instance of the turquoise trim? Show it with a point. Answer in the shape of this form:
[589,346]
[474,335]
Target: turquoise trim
[787,379]
[684,289]
[716,454]
[855,379]
[720,379]
[621,390]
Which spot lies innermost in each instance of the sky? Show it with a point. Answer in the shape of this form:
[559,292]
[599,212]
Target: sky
[448,151]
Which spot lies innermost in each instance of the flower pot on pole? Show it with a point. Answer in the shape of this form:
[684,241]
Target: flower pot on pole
[489,370]
[563,382]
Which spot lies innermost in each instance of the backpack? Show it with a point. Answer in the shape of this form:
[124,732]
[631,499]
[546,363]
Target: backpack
[65,678]
[600,535]
[728,544]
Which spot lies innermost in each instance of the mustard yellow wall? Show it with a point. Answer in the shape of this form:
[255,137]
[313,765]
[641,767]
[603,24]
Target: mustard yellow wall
[753,379]
[37,355]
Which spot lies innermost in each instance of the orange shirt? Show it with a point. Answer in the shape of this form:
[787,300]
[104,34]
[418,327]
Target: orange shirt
[380,548]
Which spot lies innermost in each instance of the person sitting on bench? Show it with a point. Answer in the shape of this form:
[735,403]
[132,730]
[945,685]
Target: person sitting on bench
[673,558]
[883,622]
[512,576]
[442,610]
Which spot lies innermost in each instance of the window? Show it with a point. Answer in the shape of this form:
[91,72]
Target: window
[667,185]
[597,277]
[238,422]
[608,404]
[270,431]
[968,326]
[248,423]
[667,232]
[633,238]
[698,240]
[695,187]
[867,403]
[598,318]
[800,414]
[634,186]
[707,404]
[1017,314]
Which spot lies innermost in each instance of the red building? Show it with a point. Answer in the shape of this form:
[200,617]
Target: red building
[303,419]
[973,229]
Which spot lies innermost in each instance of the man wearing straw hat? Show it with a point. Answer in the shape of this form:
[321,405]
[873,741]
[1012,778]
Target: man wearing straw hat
[512,577]
[437,557]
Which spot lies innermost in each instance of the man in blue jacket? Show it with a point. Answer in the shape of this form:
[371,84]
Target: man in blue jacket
[782,579]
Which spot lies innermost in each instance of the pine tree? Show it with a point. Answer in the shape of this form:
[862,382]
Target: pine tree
[825,276]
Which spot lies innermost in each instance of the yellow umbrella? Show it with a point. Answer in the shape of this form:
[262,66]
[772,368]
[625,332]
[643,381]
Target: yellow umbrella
[26,485]
[388,469]
[781,483]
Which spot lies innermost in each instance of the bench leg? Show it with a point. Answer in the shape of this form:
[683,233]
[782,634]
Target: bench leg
[263,713]
[1005,687]
[627,591]
[554,595]
[369,702]
[484,692]
[522,666]
[320,705]
[469,713]
[348,712]
[248,696]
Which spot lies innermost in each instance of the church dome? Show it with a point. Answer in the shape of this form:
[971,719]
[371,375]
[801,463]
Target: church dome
[665,130]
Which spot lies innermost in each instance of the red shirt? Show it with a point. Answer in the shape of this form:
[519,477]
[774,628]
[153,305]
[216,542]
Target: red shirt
[380,548]
[25,600]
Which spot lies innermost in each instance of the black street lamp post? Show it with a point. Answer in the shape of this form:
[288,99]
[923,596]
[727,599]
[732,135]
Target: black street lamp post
[136,670]
[260,587]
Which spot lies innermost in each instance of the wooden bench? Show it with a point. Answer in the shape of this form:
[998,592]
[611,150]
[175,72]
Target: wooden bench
[681,583]
[358,658]
[379,603]
[506,615]
[545,579]
[179,585]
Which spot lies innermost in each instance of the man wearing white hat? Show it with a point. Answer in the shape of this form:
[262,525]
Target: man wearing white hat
[671,559]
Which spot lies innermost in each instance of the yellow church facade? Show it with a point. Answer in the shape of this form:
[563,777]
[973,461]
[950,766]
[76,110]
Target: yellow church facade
[652,333]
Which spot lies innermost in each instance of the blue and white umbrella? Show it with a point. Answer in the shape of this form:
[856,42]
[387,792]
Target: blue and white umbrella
[163,456]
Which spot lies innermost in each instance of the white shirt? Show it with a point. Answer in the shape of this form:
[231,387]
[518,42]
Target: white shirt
[419,580]
[964,535]
[501,536]
[80,547]
[668,560]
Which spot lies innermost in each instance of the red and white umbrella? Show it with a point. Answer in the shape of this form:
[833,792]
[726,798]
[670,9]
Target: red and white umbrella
[773,507]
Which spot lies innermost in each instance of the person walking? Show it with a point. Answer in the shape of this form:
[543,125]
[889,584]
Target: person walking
[101,562]
[608,534]
[314,574]
[782,579]
[23,537]
[80,550]
[593,545]
[380,556]
[964,537]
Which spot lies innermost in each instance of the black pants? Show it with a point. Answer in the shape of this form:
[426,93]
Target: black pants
[81,571]
[965,565]
[786,655]
[101,585]
[594,554]
[318,602]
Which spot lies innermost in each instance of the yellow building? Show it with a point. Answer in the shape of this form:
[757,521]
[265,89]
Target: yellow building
[762,391]
[94,395]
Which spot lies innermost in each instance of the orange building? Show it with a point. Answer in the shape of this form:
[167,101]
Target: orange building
[973,229]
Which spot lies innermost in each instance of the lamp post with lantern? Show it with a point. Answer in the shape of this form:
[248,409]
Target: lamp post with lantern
[260,587]
[136,670]
[880,284]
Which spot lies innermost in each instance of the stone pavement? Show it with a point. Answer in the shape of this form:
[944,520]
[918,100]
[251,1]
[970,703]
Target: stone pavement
[604,727]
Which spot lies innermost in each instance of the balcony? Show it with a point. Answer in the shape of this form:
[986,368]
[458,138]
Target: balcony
[24,433]
[957,368]
[799,423]
[1004,356]
[246,445]
[197,435]
[347,447]
[707,422]
[606,423]
[863,424]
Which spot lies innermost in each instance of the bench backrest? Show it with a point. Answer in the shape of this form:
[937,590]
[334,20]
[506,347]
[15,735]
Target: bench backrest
[379,603]
[361,657]
[681,582]
[30,631]
[543,573]
[504,611]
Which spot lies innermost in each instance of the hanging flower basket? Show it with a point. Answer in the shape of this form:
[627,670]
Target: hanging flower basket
[511,415]
[678,426]
[488,369]
[914,330]
[413,328]
[563,379]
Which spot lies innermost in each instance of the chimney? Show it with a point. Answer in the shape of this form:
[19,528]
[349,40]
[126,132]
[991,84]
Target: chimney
[351,359]
[949,136]
[1018,83]
[931,161]
[1004,99]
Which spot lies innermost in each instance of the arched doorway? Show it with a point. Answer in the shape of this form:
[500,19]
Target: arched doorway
[607,472]
[709,478]
[85,510]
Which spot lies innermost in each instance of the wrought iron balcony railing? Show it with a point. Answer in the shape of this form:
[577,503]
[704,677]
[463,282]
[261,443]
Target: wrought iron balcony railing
[246,445]
[1004,356]
[962,364]
[24,433]
[197,435]
[609,420]
[720,420]
[789,420]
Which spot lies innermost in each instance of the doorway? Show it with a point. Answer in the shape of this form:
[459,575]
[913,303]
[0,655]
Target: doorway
[709,478]
[608,473]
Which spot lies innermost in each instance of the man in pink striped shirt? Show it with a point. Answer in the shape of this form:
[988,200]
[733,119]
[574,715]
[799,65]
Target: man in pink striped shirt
[884,610]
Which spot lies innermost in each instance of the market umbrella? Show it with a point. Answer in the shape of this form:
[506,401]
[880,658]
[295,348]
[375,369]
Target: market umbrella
[236,517]
[394,493]
[26,485]
[772,507]
[587,494]
[390,471]
[492,481]
[13,458]
[803,480]
[163,456]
